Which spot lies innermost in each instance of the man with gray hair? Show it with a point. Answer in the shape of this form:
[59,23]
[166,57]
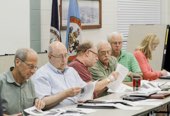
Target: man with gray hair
[16,89]
[125,58]
[106,64]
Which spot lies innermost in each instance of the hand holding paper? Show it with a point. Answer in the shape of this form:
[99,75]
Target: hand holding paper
[123,71]
[87,92]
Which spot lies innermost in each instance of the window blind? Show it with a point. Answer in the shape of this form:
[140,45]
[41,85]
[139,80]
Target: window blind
[137,12]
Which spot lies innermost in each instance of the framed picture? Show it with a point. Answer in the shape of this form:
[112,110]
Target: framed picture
[90,13]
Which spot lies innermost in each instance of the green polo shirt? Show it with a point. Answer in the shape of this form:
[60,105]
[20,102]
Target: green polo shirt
[99,72]
[15,97]
[129,61]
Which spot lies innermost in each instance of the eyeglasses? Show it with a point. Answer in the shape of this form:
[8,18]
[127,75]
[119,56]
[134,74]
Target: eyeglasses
[61,56]
[117,43]
[105,52]
[30,66]
[93,52]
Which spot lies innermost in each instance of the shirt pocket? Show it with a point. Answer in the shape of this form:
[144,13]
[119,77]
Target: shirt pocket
[29,102]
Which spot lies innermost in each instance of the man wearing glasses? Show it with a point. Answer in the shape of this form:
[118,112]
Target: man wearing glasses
[125,58]
[16,89]
[87,56]
[106,65]
[55,83]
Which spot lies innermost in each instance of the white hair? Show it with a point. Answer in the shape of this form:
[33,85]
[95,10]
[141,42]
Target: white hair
[103,42]
[113,34]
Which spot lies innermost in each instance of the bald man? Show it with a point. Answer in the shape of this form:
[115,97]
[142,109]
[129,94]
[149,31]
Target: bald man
[55,83]
[125,58]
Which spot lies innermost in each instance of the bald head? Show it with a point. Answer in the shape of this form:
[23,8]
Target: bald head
[58,55]
[55,47]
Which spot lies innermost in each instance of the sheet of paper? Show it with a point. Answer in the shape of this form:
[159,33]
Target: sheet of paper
[87,92]
[59,112]
[114,105]
[168,74]
[115,85]
[147,103]
[33,111]
[123,88]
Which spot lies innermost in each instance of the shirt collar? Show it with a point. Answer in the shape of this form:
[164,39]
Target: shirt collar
[102,66]
[10,78]
[55,69]
[122,54]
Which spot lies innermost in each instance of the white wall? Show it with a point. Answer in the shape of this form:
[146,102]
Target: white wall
[14,25]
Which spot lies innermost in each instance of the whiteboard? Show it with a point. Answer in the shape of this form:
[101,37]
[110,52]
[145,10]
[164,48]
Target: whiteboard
[14,25]
[138,32]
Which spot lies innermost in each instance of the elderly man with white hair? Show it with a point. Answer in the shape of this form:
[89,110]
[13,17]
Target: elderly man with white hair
[106,63]
[125,58]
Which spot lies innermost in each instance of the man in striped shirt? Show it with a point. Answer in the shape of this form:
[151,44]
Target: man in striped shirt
[125,58]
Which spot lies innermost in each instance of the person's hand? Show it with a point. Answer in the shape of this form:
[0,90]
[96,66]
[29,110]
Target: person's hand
[130,74]
[164,72]
[113,76]
[39,104]
[73,91]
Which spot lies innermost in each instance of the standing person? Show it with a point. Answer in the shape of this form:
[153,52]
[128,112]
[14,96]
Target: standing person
[16,89]
[56,83]
[143,54]
[87,56]
[125,58]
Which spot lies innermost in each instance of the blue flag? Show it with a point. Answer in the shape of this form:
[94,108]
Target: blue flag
[54,30]
[73,34]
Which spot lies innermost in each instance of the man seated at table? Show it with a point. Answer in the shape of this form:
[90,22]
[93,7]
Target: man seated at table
[125,58]
[105,65]
[55,83]
[16,89]
[87,56]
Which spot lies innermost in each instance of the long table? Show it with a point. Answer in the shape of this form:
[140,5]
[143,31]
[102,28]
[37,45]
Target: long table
[147,109]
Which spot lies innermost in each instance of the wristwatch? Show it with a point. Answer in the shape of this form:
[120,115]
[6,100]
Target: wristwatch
[111,78]
[108,80]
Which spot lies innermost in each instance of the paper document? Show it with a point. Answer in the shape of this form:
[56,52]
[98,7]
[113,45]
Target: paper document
[104,104]
[123,88]
[148,102]
[59,112]
[166,77]
[123,71]
[87,92]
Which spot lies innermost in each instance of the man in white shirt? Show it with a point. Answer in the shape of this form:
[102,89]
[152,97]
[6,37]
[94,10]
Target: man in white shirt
[55,83]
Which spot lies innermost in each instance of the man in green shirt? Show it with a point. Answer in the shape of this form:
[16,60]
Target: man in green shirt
[16,89]
[106,65]
[125,58]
